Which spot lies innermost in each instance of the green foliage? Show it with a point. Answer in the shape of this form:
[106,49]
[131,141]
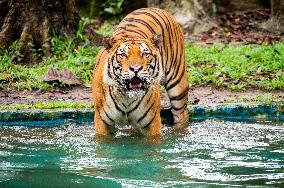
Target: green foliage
[106,29]
[48,105]
[65,54]
[236,66]
[92,8]
[112,7]
[82,24]
[233,66]
[264,98]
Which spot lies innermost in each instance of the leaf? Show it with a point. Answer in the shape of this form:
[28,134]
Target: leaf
[5,76]
[110,10]
[65,77]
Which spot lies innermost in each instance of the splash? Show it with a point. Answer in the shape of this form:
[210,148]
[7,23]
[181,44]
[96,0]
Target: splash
[138,94]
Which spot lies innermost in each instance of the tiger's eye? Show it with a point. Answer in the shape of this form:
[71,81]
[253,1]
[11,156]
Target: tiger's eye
[123,55]
[145,54]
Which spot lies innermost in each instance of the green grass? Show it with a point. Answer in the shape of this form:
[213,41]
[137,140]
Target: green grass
[48,105]
[106,29]
[266,98]
[80,60]
[237,66]
[233,66]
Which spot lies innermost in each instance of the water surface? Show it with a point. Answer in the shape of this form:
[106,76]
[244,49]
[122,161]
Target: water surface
[209,153]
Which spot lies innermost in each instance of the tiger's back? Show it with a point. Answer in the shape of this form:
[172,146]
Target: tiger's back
[142,24]
[146,22]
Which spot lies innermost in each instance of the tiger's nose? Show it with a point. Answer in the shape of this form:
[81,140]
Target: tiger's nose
[135,68]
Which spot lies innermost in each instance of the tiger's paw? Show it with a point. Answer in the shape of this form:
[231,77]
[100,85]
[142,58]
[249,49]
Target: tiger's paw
[153,130]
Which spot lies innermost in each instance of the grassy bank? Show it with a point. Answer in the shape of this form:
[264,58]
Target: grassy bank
[80,60]
[237,66]
[263,99]
[233,66]
[48,105]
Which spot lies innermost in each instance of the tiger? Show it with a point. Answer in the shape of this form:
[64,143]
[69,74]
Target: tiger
[145,50]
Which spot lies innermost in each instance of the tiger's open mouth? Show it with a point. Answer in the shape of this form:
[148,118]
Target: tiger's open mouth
[135,83]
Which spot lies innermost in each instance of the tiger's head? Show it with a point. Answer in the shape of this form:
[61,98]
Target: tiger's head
[133,65]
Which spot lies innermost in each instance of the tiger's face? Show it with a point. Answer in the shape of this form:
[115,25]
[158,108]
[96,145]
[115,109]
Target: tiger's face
[133,66]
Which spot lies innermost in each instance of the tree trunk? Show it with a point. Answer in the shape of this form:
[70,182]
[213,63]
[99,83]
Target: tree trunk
[276,22]
[153,3]
[32,21]
[193,15]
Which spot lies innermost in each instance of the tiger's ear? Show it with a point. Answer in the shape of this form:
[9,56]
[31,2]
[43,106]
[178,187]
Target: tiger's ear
[108,42]
[157,40]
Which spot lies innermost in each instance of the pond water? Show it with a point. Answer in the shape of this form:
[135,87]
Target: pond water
[210,153]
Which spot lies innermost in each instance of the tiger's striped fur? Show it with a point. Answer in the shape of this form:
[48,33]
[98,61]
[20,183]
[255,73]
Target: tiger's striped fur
[147,48]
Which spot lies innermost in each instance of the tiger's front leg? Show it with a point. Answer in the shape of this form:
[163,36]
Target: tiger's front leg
[154,128]
[101,127]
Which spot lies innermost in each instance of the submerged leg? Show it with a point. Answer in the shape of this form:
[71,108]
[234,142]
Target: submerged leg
[101,127]
[154,128]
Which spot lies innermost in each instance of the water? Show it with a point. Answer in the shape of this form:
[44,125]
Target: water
[210,153]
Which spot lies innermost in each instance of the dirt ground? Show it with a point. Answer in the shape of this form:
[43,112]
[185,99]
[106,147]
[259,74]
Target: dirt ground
[244,27]
[204,95]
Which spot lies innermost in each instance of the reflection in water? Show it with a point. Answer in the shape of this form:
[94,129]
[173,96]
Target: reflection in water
[208,153]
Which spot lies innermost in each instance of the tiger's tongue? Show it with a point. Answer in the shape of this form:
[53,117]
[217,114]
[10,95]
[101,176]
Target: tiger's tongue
[135,83]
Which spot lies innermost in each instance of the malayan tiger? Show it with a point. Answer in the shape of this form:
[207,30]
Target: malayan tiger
[146,49]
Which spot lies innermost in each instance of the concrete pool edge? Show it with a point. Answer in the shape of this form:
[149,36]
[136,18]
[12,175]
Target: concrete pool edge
[240,111]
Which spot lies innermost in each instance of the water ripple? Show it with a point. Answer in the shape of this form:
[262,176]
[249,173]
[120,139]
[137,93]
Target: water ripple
[210,152]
